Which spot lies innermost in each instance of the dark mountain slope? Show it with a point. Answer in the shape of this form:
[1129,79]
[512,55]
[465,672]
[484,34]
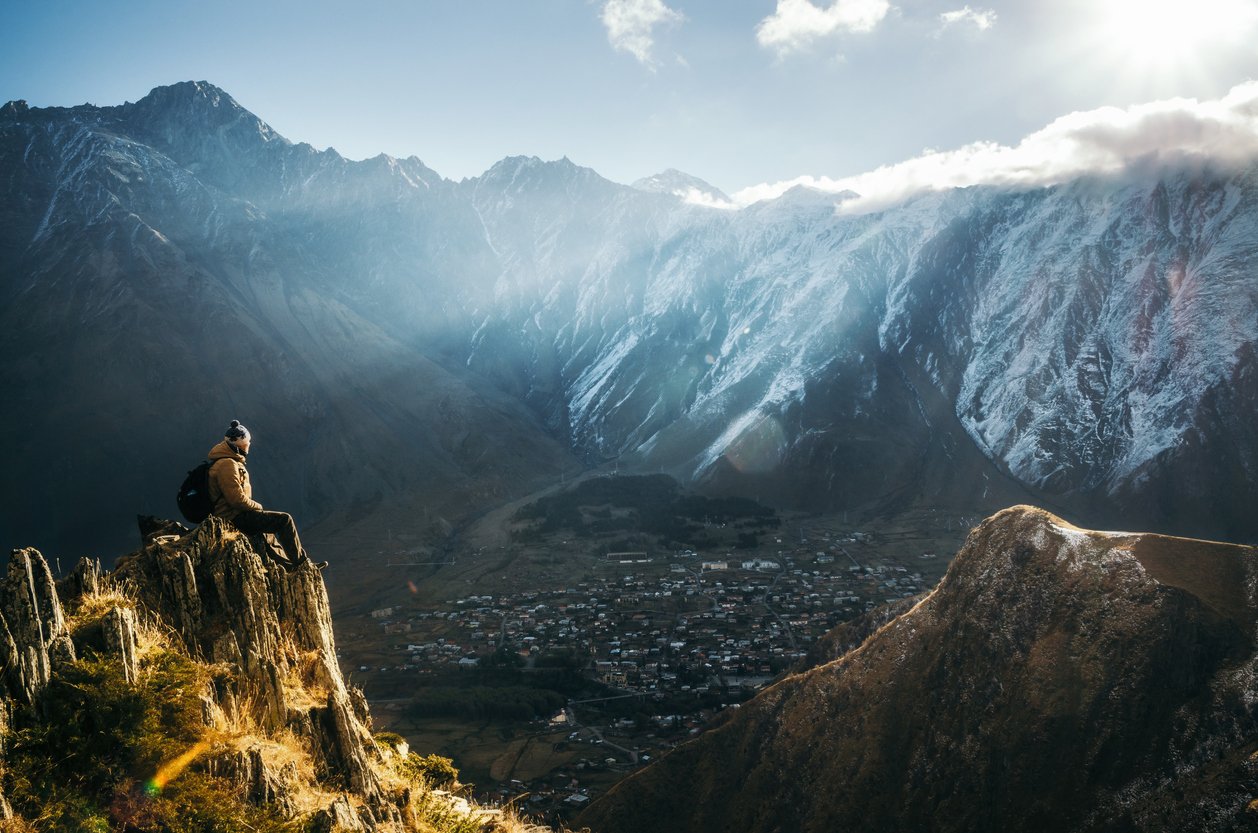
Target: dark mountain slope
[144,305]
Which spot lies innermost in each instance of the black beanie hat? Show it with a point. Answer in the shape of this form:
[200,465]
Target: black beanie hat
[236,431]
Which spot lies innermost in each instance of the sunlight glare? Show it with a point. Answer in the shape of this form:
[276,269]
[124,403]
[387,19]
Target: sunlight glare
[171,769]
[1168,33]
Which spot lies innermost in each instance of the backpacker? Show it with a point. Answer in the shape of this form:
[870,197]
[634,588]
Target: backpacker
[194,495]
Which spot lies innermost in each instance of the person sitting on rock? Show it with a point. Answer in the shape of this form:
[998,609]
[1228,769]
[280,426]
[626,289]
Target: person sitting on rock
[233,501]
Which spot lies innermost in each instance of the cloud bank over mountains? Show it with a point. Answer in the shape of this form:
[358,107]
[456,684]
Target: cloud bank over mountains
[1108,141]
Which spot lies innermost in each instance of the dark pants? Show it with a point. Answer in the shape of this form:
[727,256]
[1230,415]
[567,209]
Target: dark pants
[279,524]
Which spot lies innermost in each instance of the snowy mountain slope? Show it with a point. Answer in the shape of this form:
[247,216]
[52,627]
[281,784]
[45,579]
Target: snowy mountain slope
[680,184]
[1090,345]
[1096,323]
[1076,333]
[1138,311]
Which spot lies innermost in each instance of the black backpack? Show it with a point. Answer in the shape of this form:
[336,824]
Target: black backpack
[194,495]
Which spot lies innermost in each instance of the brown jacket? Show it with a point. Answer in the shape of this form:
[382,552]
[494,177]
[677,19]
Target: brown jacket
[229,482]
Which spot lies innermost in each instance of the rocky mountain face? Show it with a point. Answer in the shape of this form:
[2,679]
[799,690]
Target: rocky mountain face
[1091,345]
[172,264]
[1056,679]
[270,717]
[395,337]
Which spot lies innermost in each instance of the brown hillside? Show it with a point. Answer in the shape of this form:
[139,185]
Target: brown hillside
[1056,680]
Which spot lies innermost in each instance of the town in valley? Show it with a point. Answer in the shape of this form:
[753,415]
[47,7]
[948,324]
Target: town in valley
[548,682]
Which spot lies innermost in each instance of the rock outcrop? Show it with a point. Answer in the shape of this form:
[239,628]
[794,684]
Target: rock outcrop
[33,636]
[1056,680]
[6,812]
[230,605]
[278,723]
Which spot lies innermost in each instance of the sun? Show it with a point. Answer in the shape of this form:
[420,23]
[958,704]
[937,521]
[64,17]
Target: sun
[1167,34]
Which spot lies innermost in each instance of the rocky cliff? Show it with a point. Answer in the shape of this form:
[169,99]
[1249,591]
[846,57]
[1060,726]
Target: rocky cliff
[1057,679]
[196,681]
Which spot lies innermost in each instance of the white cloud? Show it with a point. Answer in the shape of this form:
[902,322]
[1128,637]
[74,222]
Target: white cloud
[694,196]
[1108,141]
[631,25]
[983,19]
[798,23]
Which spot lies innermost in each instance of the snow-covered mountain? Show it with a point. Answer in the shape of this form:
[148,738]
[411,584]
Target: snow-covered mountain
[1090,345]
[1093,342]
[151,289]
[681,184]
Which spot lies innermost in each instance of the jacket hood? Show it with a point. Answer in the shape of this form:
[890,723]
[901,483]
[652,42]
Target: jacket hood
[223,450]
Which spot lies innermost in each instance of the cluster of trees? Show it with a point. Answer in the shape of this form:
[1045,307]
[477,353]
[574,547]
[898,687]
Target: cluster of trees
[652,505]
[500,689]
[486,702]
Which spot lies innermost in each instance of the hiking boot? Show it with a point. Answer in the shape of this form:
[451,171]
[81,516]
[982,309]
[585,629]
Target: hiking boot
[302,561]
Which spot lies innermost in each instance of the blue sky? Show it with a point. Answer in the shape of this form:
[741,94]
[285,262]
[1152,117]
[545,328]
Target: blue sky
[736,92]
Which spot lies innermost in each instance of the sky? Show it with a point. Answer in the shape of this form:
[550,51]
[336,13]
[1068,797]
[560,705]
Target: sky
[875,96]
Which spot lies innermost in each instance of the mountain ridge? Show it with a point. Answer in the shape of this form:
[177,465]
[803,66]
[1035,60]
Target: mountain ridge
[1053,680]
[155,299]
[1088,346]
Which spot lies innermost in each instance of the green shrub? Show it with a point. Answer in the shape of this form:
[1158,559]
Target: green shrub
[88,758]
[486,702]
[390,739]
[431,769]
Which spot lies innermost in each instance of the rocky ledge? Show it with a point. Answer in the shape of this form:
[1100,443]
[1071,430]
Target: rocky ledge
[202,619]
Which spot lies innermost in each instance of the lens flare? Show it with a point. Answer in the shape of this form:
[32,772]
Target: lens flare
[170,770]
[758,447]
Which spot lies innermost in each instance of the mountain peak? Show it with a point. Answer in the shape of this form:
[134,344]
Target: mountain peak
[14,108]
[532,171]
[190,93]
[189,108]
[511,165]
[194,89]
[681,184]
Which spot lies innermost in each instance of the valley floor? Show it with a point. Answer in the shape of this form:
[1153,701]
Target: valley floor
[651,645]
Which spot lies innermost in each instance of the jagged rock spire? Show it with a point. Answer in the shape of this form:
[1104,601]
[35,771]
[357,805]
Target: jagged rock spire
[230,605]
[33,637]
